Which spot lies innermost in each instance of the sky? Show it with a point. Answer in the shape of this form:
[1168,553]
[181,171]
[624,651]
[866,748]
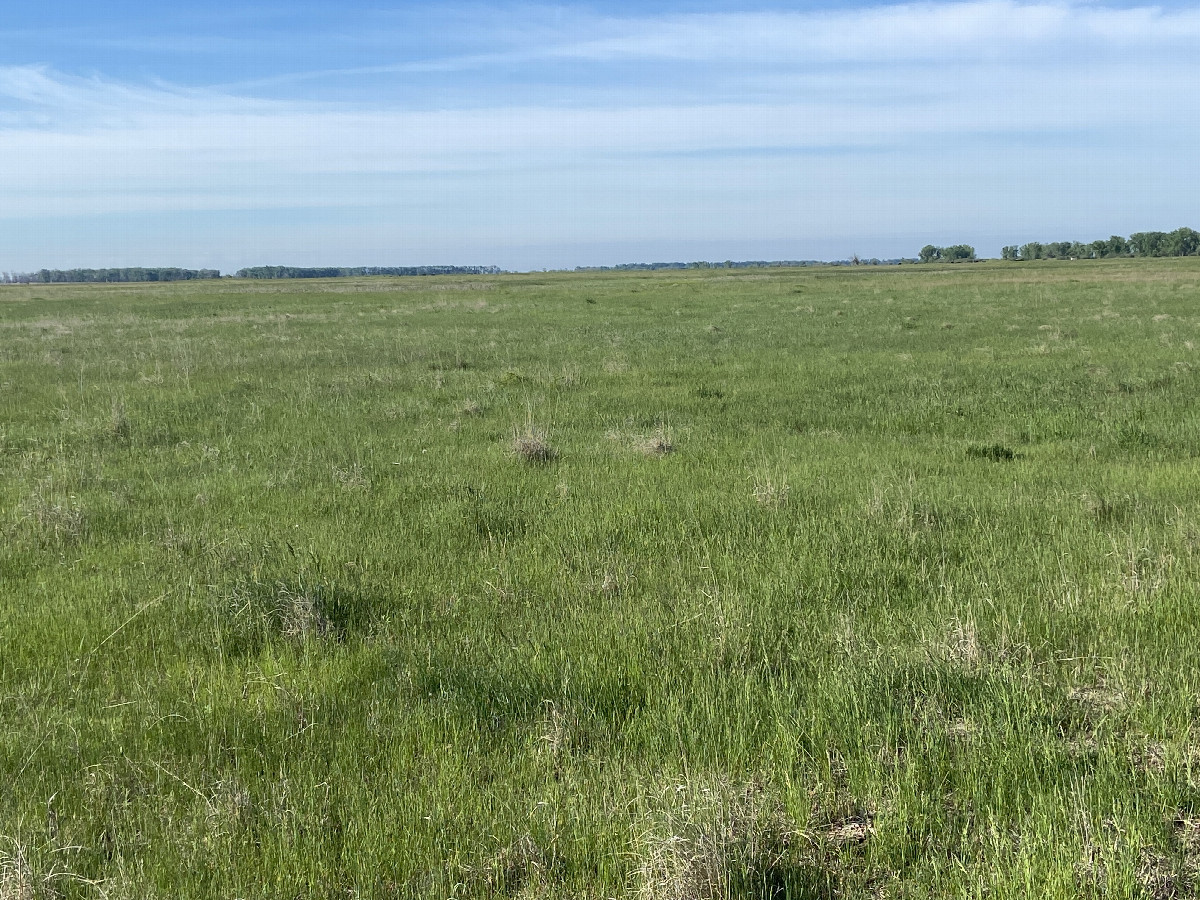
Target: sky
[531,136]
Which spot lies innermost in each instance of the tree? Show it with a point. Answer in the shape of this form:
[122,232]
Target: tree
[930,253]
[1182,242]
[1032,250]
[1010,253]
[1118,246]
[1148,243]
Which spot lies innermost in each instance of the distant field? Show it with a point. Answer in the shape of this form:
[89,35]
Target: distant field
[672,586]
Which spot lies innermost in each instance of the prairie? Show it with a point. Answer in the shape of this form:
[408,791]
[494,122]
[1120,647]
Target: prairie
[796,583]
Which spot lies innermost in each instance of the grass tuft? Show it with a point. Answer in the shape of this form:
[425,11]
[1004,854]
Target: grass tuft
[120,429]
[56,522]
[1106,510]
[300,614]
[712,841]
[531,443]
[772,492]
[659,443]
[517,870]
[16,877]
[993,452]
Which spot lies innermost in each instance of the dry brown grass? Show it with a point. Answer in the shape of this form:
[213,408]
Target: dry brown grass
[1157,875]
[1098,698]
[300,614]
[531,443]
[658,443]
[55,520]
[16,877]
[772,491]
[518,869]
[705,839]
[560,731]
[353,477]
[962,644]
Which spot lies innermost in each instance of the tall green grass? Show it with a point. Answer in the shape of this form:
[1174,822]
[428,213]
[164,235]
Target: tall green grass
[823,583]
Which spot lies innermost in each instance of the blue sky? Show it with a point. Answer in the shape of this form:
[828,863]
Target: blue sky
[532,136]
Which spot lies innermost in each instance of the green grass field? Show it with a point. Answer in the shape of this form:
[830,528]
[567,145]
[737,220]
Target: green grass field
[805,583]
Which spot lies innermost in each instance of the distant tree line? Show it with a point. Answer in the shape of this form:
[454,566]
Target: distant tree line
[89,276]
[359,271]
[1180,242]
[728,264]
[744,264]
[957,253]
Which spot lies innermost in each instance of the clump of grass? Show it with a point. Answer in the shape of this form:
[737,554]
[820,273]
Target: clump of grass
[1106,510]
[518,869]
[771,491]
[353,477]
[1107,850]
[119,427]
[469,408]
[16,876]
[560,731]
[300,614]
[962,644]
[708,841]
[56,521]
[658,443]
[531,443]
[993,452]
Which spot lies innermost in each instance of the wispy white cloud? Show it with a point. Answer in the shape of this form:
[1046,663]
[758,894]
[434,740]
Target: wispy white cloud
[861,109]
[932,33]
[888,34]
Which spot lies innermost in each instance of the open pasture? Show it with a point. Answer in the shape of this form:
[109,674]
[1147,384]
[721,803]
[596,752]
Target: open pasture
[681,585]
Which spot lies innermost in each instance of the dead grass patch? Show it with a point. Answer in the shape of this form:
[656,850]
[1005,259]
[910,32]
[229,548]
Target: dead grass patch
[1144,572]
[712,840]
[16,876]
[1106,510]
[1097,698]
[353,477]
[56,521]
[531,443]
[771,491]
[659,443]
[300,614]
[518,869]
